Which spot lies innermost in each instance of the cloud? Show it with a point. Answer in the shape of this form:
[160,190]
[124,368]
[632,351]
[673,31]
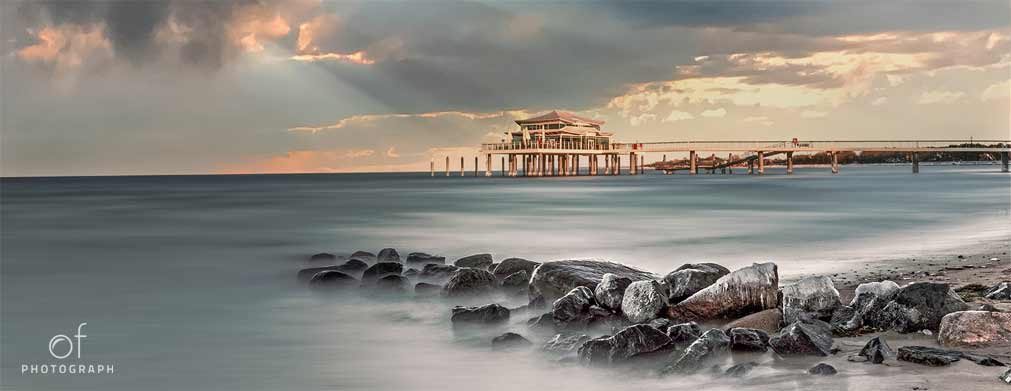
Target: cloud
[678,116]
[996,91]
[809,114]
[761,120]
[66,46]
[360,153]
[933,97]
[714,113]
[879,101]
[367,118]
[392,152]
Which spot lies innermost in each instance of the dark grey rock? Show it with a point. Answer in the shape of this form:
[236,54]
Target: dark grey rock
[426,289]
[353,266]
[877,350]
[748,340]
[393,284]
[661,324]
[306,274]
[713,344]
[917,306]
[1000,291]
[552,280]
[744,291]
[637,340]
[611,290]
[488,314]
[985,361]
[388,255]
[422,259]
[516,283]
[928,356]
[411,273]
[382,269]
[803,338]
[543,322]
[510,341]
[691,278]
[1006,376]
[740,370]
[513,265]
[684,332]
[643,301]
[363,256]
[332,279]
[470,282]
[822,369]
[562,344]
[815,296]
[477,261]
[322,257]
[573,309]
[596,352]
[437,273]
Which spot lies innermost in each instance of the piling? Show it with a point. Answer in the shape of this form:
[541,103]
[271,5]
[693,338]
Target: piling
[789,163]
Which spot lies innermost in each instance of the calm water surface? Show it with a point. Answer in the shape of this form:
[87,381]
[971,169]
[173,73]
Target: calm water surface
[187,283]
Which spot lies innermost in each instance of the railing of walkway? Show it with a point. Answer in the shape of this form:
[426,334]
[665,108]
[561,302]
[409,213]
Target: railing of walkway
[744,145]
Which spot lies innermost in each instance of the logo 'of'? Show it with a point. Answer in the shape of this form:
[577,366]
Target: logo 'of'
[58,338]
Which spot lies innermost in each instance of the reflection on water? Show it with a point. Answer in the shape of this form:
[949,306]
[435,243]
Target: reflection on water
[189,282]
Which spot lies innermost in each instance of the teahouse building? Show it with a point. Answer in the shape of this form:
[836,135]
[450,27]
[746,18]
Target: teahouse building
[559,129]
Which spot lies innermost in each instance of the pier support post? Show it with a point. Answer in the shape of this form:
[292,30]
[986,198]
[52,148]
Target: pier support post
[447,165]
[751,166]
[761,163]
[789,163]
[693,162]
[631,164]
[502,168]
[1003,161]
[835,162]
[730,158]
[642,163]
[475,165]
[461,165]
[916,162]
[432,166]
[487,165]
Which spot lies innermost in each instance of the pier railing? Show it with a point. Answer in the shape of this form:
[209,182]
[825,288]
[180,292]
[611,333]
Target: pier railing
[761,145]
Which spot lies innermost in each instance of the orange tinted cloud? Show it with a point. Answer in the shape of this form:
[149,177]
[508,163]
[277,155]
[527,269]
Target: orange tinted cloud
[66,46]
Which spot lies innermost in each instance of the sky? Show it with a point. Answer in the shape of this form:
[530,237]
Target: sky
[227,87]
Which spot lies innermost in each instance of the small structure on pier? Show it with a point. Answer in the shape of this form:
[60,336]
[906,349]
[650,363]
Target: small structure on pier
[560,129]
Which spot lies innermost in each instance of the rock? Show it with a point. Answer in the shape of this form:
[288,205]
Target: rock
[643,301]
[322,257]
[516,283]
[661,324]
[803,338]
[332,279]
[306,274]
[470,282]
[977,329]
[411,273]
[572,310]
[742,292]
[544,322]
[509,341]
[1000,291]
[611,290]
[822,369]
[841,316]
[393,284]
[363,256]
[477,261]
[813,295]
[513,265]
[562,344]
[1006,376]
[353,266]
[684,332]
[876,350]
[437,273]
[740,370]
[388,255]
[928,356]
[595,352]
[488,314]
[983,360]
[884,289]
[551,280]
[426,289]
[637,340]
[870,298]
[710,346]
[423,259]
[492,267]
[691,278]
[769,321]
[382,269]
[985,307]
[918,306]
[748,340]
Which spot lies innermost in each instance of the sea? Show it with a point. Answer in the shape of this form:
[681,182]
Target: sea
[188,282]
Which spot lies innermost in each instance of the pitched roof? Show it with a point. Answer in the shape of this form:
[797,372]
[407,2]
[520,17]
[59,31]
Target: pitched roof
[563,116]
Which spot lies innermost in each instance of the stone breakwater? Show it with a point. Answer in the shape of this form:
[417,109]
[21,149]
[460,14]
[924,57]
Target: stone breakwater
[604,314]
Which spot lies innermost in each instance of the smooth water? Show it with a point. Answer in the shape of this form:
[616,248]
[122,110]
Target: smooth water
[188,282]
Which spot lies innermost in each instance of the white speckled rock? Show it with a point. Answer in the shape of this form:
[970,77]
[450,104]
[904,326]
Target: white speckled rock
[611,290]
[884,289]
[643,301]
[815,296]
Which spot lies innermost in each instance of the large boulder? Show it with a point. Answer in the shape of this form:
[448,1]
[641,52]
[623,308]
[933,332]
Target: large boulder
[422,259]
[382,269]
[363,256]
[637,340]
[551,280]
[477,261]
[488,314]
[868,300]
[306,274]
[742,292]
[815,296]
[353,266]
[393,284]
[509,341]
[976,329]
[712,345]
[437,273]
[1000,291]
[812,338]
[513,265]
[562,344]
[596,352]
[332,279]
[573,309]
[643,301]
[470,282]
[928,356]
[388,255]
[876,350]
[611,290]
[516,283]
[769,321]
[684,333]
[691,278]
[918,306]
[748,340]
